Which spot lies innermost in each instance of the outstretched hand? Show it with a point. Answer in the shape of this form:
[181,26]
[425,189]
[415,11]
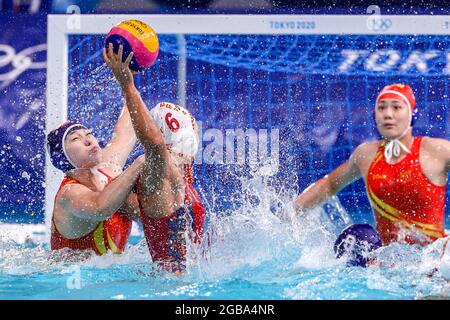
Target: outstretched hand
[121,70]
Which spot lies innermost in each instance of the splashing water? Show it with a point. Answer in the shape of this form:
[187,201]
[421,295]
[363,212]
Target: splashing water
[261,250]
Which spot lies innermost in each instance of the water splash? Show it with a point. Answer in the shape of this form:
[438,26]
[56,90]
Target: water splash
[262,249]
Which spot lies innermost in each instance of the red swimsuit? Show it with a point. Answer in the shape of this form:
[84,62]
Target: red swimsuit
[402,197]
[165,236]
[111,234]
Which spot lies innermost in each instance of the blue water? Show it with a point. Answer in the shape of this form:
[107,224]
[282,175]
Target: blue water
[253,253]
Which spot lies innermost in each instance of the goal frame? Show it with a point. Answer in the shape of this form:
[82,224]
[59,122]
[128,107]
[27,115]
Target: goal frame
[59,27]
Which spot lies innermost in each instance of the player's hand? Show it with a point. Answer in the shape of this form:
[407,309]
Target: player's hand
[121,70]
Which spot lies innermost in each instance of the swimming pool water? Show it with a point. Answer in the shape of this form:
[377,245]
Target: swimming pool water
[251,256]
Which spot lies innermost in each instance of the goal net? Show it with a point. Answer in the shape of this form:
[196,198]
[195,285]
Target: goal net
[299,90]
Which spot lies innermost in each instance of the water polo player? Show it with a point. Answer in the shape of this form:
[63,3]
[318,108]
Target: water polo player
[405,175]
[93,206]
[169,204]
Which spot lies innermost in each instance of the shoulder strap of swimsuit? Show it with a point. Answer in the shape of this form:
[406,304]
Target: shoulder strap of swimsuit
[105,174]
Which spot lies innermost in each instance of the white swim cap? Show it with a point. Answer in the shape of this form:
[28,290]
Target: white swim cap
[179,129]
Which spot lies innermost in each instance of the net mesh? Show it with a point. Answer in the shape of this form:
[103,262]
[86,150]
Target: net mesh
[318,91]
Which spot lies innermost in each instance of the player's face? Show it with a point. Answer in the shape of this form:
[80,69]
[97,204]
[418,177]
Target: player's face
[392,117]
[83,149]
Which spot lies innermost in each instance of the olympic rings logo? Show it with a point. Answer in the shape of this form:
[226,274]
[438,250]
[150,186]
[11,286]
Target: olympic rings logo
[20,62]
[378,24]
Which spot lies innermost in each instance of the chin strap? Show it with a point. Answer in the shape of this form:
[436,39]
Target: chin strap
[184,163]
[188,173]
[100,177]
[392,148]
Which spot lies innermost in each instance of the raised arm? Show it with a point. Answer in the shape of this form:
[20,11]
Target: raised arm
[329,185]
[122,141]
[91,205]
[146,130]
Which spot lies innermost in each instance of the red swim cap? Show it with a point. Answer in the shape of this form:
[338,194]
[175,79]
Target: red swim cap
[398,91]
